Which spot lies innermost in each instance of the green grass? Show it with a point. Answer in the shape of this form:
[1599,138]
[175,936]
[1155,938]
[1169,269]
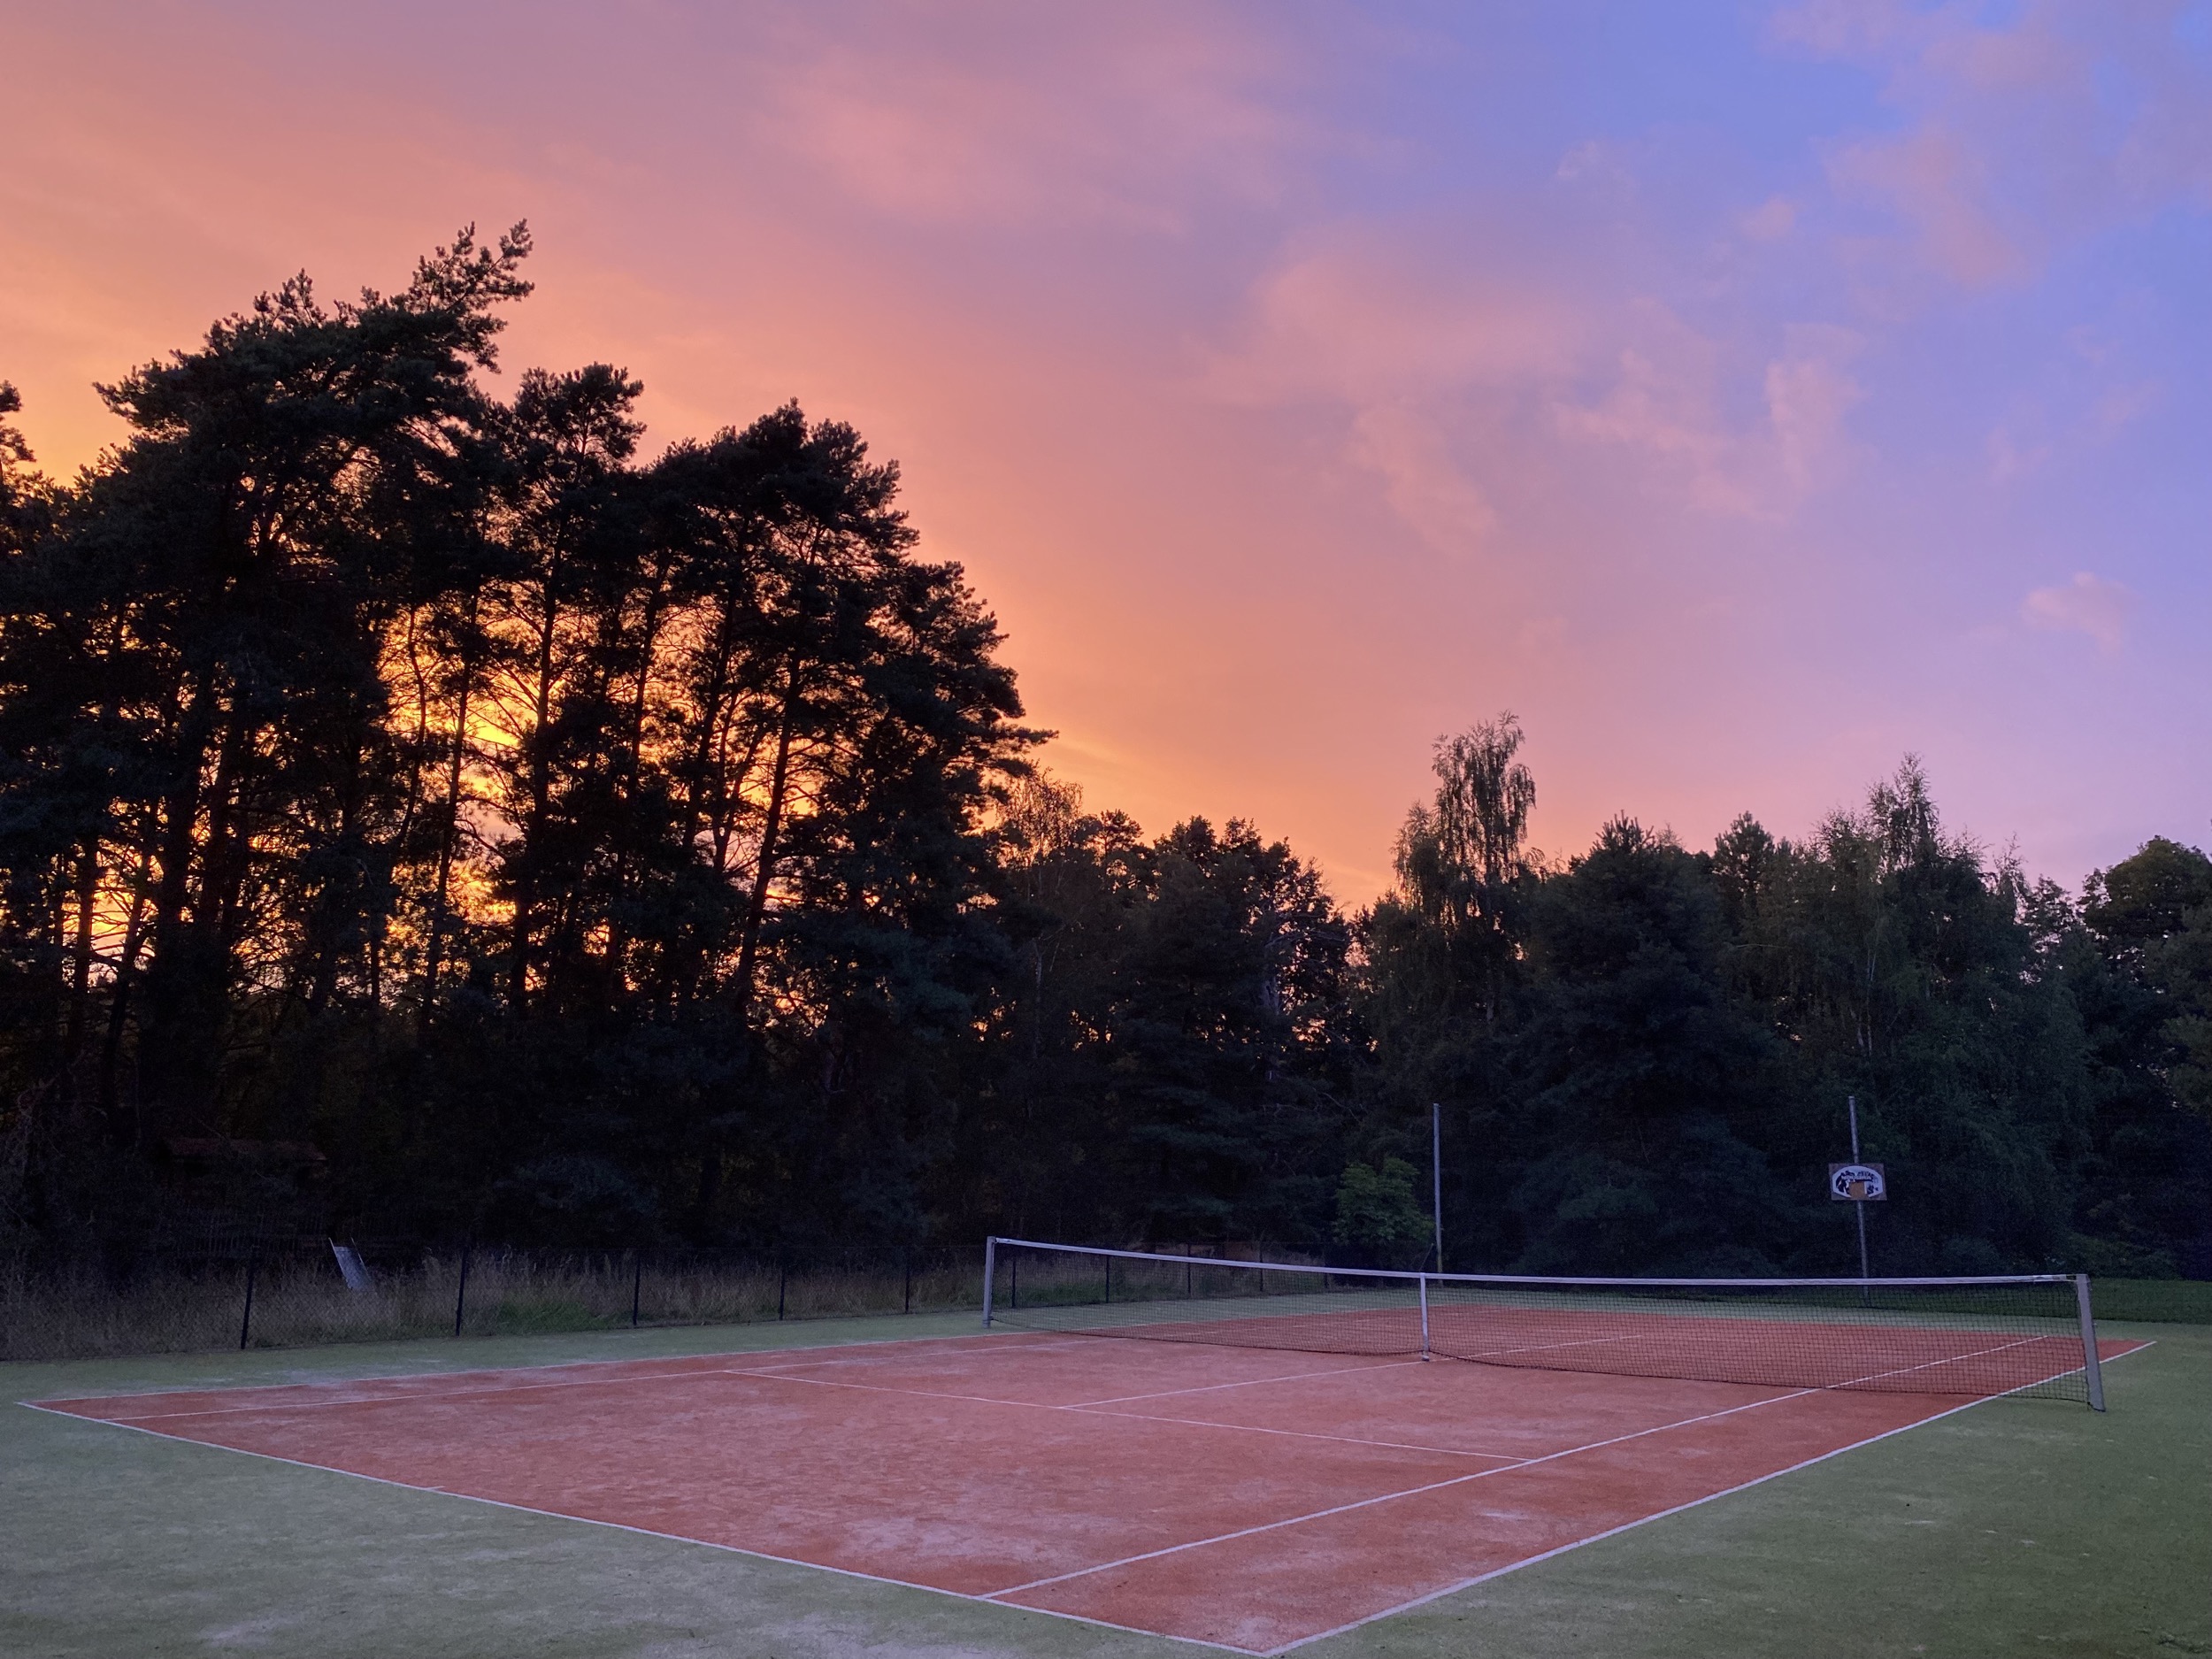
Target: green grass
[2181,1300]
[2019,1527]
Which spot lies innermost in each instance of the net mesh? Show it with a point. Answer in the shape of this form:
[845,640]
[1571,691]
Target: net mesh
[1959,1336]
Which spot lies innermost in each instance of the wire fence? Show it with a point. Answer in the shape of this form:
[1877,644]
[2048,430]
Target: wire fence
[298,1292]
[203,1287]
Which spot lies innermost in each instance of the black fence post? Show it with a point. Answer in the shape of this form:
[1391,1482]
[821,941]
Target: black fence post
[1014,1283]
[1109,1278]
[783,1281]
[461,1296]
[906,1257]
[253,1272]
[637,1284]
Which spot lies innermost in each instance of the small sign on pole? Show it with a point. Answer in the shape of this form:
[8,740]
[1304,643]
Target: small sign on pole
[1857,1183]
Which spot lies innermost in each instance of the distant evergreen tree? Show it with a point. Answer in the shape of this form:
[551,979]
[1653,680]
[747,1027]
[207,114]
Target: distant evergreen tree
[596,848]
[2138,964]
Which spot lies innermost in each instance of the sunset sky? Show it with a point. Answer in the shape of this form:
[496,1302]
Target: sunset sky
[1744,396]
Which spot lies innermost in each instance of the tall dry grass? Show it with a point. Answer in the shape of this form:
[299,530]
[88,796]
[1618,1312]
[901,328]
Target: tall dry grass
[301,1302]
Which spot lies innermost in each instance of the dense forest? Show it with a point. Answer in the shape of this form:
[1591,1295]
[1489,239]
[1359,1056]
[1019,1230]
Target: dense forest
[422,812]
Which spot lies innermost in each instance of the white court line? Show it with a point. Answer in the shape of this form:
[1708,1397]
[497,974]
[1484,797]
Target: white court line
[1546,1347]
[1661,1515]
[1391,1497]
[501,1392]
[378,1400]
[1450,1451]
[642,1532]
[1296,1434]
[1004,1340]
[1952,1359]
[885,1389]
[1250,1382]
[1134,1416]
[1483,1474]
[991,1599]
[778,1373]
[684,1361]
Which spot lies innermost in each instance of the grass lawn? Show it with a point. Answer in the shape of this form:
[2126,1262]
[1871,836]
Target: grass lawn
[2019,1527]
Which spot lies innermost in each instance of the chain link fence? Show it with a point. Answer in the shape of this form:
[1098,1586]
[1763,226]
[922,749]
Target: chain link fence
[243,1292]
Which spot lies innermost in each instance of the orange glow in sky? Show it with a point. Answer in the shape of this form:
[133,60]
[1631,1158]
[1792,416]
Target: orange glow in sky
[1743,397]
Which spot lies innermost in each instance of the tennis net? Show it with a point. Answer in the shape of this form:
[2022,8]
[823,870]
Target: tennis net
[2025,1333]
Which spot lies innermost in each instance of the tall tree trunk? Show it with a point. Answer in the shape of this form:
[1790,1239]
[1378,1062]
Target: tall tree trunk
[540,798]
[448,837]
[764,866]
[123,1132]
[80,951]
[630,766]
[339,912]
[167,1025]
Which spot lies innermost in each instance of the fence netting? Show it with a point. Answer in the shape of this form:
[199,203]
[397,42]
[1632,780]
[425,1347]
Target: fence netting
[242,1290]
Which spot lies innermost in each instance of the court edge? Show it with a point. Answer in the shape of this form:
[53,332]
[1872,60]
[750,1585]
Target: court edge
[1660,1514]
[988,1601]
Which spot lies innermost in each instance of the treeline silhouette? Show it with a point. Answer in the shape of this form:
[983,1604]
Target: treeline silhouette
[423,814]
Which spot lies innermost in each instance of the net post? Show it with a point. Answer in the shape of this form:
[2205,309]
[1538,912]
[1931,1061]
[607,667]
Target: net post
[990,1276]
[2092,1366]
[1425,1316]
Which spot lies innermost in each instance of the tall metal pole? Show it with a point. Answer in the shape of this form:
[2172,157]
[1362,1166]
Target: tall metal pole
[1436,1176]
[2092,1366]
[1859,1207]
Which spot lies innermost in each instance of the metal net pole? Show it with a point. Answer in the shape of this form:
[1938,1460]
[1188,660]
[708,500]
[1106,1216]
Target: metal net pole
[2093,1363]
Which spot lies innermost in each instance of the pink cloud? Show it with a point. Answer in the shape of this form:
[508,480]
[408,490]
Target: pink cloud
[1808,393]
[1374,316]
[2088,604]
[1938,184]
[1772,220]
[1668,403]
[1103,118]
[1425,484]
[1279,439]
[1662,405]
[2020,136]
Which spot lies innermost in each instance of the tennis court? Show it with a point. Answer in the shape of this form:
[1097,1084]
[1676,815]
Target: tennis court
[1252,1497]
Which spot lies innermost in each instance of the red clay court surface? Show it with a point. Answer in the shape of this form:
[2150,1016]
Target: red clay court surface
[1242,1497]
